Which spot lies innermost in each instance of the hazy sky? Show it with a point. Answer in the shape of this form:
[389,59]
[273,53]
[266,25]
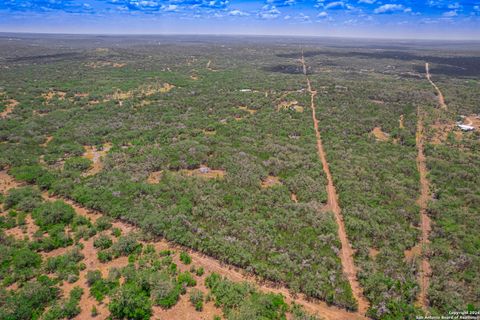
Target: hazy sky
[439,19]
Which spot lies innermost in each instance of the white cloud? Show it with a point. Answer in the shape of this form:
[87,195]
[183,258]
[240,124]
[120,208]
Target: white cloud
[388,8]
[287,17]
[322,14]
[237,13]
[455,5]
[452,13]
[269,12]
[366,1]
[336,4]
[170,7]
[476,8]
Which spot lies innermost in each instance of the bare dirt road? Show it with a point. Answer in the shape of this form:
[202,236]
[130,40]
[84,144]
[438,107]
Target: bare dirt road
[346,254]
[208,263]
[425,222]
[441,99]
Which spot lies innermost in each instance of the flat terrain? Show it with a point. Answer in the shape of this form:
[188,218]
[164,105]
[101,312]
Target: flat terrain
[237,178]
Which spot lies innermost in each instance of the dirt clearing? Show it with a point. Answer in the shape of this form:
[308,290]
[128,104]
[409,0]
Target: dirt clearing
[245,108]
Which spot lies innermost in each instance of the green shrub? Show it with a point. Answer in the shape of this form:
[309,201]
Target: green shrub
[103,242]
[105,255]
[130,302]
[103,223]
[125,246]
[186,279]
[24,199]
[53,213]
[196,299]
[185,257]
[77,164]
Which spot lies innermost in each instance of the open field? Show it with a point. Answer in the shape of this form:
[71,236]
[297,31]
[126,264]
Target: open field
[219,178]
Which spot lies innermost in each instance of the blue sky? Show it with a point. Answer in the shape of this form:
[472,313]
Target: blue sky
[435,19]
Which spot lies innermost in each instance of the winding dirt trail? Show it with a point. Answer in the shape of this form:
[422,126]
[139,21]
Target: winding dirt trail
[425,222]
[208,263]
[441,99]
[346,254]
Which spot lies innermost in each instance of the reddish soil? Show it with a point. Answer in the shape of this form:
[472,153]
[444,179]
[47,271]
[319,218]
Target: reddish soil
[441,99]
[425,222]
[346,253]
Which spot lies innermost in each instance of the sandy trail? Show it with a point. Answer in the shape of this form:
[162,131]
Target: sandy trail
[441,99]
[208,263]
[346,254]
[425,222]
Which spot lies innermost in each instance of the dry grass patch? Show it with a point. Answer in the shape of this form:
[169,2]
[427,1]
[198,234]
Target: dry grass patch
[379,134]
[154,177]
[401,123]
[104,64]
[45,144]
[271,181]
[95,155]
[293,197]
[245,108]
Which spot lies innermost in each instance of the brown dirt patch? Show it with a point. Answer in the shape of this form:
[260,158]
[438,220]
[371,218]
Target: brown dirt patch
[7,182]
[293,197]
[194,77]
[380,102]
[96,156]
[401,124]
[245,108]
[373,253]
[379,134]
[271,181]
[81,95]
[9,106]
[204,172]
[60,95]
[155,177]
[290,105]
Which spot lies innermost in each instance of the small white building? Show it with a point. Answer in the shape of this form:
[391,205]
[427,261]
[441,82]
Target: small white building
[465,127]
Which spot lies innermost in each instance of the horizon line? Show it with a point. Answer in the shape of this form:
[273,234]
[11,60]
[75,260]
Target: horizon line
[242,35]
